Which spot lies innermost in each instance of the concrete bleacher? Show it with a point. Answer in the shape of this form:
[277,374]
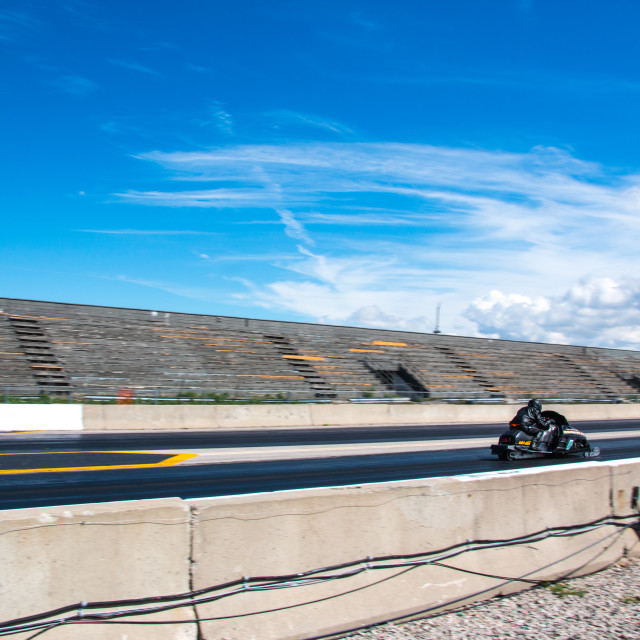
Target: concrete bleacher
[75,348]
[14,368]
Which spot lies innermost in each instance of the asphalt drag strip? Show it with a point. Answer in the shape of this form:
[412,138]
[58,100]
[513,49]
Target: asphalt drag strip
[308,451]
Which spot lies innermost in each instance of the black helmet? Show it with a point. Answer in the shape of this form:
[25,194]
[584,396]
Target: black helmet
[535,405]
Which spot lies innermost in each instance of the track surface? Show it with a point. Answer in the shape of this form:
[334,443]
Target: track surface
[209,480]
[130,441]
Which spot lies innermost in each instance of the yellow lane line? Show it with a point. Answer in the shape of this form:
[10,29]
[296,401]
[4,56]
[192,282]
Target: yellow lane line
[173,460]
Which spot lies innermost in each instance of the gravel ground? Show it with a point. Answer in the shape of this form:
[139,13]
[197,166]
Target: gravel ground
[603,605]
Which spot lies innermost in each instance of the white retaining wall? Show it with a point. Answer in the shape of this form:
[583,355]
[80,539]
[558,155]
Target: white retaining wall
[41,417]
[63,555]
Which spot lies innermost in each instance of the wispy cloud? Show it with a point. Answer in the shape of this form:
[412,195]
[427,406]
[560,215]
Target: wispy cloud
[134,66]
[545,82]
[175,288]
[75,85]
[293,119]
[198,68]
[147,232]
[247,257]
[209,198]
[461,222]
[219,118]
[364,22]
[13,24]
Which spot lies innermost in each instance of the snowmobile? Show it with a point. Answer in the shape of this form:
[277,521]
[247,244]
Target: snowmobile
[515,444]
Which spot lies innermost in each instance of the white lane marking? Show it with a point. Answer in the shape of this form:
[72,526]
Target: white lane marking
[263,453]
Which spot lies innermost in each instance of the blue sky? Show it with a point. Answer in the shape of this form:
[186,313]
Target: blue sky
[348,162]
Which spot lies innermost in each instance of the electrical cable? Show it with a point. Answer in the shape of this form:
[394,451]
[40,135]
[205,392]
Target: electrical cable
[47,628]
[452,603]
[43,621]
[252,613]
[276,582]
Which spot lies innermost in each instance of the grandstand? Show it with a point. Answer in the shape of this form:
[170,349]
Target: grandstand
[79,350]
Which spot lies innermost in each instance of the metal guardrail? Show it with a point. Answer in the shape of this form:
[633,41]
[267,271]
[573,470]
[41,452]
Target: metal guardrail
[130,395]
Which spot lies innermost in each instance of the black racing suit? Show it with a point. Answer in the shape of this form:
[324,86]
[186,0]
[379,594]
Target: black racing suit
[533,423]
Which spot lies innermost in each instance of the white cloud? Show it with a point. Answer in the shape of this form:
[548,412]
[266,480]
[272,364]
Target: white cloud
[287,118]
[134,66]
[220,118]
[247,257]
[212,198]
[597,311]
[373,316]
[148,232]
[293,228]
[175,288]
[75,85]
[451,226]
[14,23]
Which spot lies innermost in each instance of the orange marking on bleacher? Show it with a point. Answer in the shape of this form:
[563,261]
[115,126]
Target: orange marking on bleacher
[304,357]
[578,384]
[45,366]
[367,350]
[220,344]
[502,373]
[174,330]
[507,387]
[207,338]
[212,329]
[383,343]
[339,373]
[256,375]
[441,375]
[353,384]
[476,355]
[10,353]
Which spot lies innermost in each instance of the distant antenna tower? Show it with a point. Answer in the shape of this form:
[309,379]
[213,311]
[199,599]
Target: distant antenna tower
[437,329]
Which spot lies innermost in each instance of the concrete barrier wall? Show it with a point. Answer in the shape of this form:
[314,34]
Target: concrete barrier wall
[57,556]
[38,417]
[62,555]
[203,417]
[298,531]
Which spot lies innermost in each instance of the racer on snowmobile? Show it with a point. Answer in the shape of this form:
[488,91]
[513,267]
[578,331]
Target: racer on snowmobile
[532,422]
